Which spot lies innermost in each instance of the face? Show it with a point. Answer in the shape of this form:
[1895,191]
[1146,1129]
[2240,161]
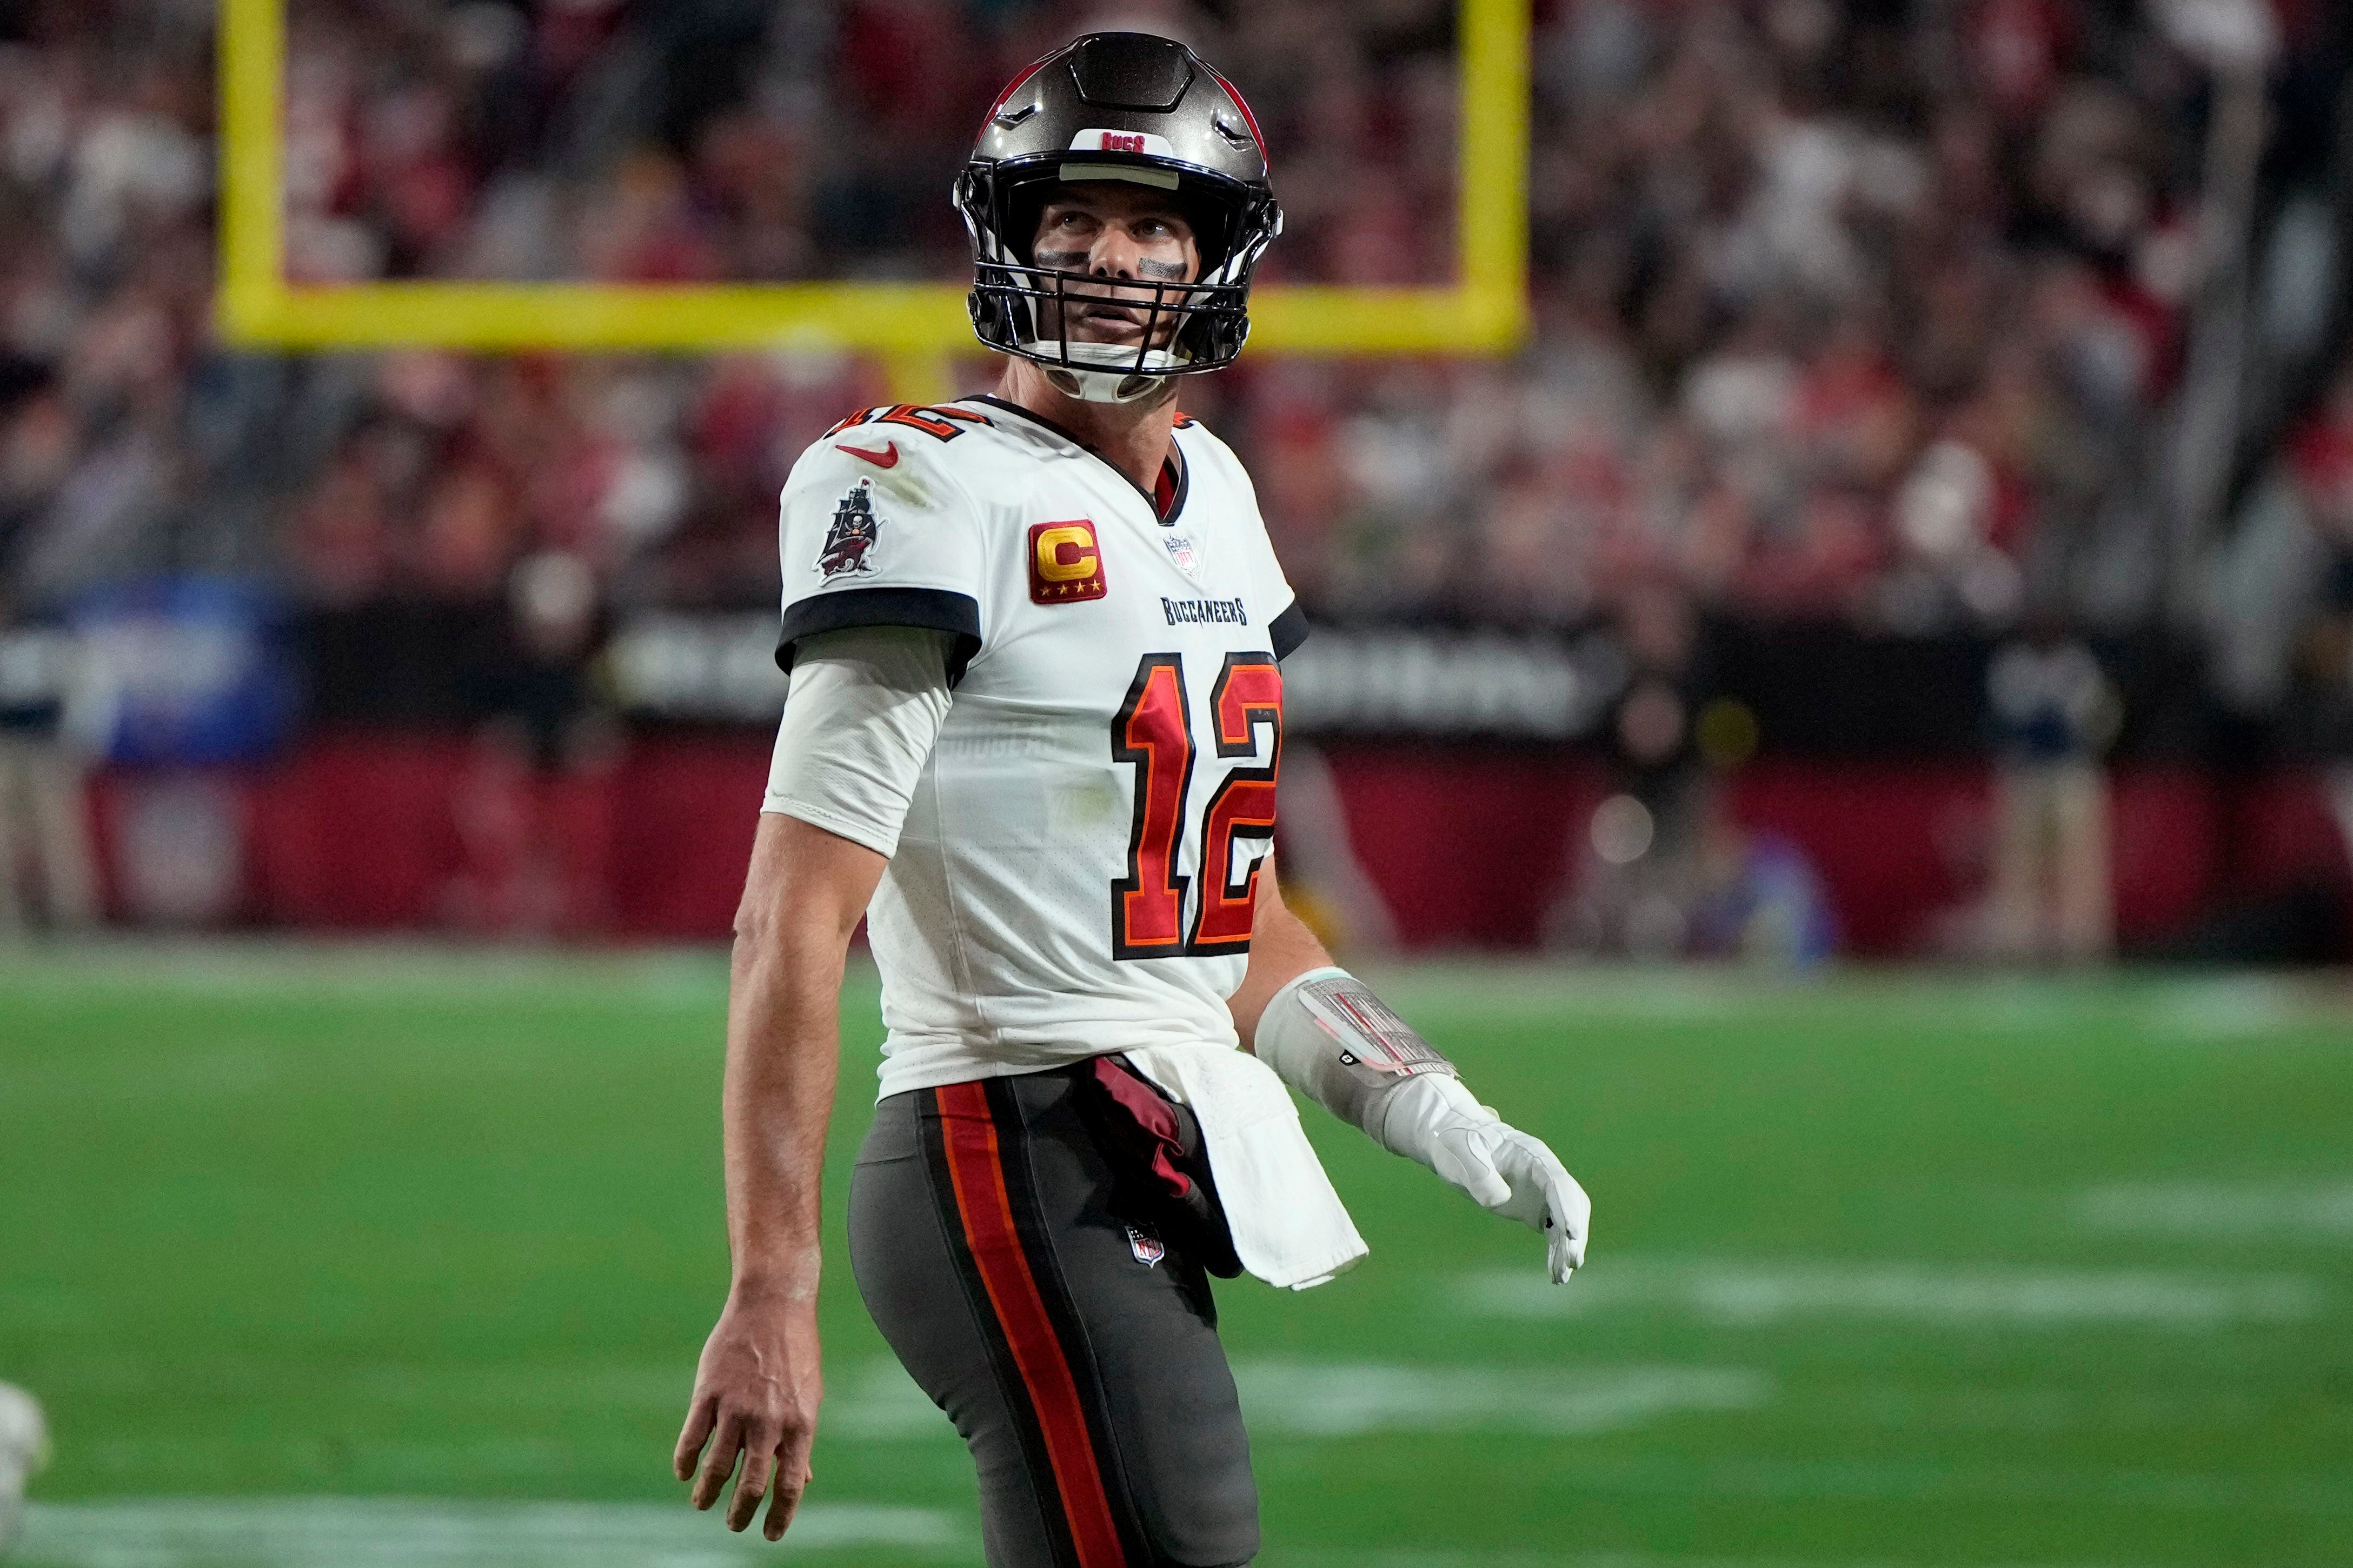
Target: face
[1113,232]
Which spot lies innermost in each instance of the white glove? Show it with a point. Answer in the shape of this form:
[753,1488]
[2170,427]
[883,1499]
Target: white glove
[1329,1036]
[1432,1119]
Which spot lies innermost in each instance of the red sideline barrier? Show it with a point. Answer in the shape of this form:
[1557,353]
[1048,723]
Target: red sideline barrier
[1469,846]
[1898,844]
[1466,847]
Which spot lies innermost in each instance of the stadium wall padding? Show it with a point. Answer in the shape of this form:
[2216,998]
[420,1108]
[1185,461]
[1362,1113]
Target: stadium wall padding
[1469,848]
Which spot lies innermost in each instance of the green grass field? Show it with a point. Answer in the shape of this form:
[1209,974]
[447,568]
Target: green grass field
[329,1257]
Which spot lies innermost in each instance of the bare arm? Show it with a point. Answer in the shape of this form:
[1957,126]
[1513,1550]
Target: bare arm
[1281,950]
[757,1388]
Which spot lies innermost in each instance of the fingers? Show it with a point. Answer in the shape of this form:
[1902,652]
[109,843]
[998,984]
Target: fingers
[1562,1260]
[1568,1221]
[717,1464]
[775,1454]
[1527,1165]
[1574,1209]
[759,1464]
[793,1478]
[1547,1199]
[701,1416]
[756,1399]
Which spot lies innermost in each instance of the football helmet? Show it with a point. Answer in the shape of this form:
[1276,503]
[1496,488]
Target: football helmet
[1118,106]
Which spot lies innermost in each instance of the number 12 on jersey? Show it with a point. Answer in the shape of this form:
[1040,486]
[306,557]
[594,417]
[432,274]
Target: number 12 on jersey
[1153,730]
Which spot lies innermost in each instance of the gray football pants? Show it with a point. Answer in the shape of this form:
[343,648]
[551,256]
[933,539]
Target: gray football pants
[990,1236]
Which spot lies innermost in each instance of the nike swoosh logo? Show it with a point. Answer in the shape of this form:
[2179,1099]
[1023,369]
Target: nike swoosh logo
[887,458]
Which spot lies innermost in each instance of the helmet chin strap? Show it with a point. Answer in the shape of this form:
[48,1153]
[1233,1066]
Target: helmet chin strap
[1123,384]
[1101,385]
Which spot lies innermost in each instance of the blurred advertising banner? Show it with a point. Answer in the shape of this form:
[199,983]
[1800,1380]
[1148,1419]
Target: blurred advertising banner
[717,669]
[487,769]
[179,671]
[184,685]
[721,669]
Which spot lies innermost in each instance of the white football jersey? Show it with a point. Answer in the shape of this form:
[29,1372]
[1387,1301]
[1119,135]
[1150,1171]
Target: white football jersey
[1078,865]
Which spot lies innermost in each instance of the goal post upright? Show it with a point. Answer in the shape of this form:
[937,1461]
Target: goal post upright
[913,326]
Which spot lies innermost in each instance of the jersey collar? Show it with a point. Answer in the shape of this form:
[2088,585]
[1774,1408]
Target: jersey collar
[1167,498]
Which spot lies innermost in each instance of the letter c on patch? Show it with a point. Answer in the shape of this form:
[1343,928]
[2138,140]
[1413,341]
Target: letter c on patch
[1065,562]
[1066,553]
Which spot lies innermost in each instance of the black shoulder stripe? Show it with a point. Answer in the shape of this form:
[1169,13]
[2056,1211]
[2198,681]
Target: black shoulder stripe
[934,609]
[1289,631]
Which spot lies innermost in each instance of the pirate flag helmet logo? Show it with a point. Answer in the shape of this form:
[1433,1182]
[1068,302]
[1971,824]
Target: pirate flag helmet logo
[850,541]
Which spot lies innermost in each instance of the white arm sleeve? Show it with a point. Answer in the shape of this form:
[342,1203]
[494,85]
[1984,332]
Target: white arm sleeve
[865,707]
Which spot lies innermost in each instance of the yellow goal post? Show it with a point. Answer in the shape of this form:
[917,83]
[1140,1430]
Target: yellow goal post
[914,326]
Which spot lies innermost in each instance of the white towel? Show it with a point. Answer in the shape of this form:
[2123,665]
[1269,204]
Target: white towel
[1289,1227]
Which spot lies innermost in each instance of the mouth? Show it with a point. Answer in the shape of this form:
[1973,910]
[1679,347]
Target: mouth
[1100,314]
[1102,319]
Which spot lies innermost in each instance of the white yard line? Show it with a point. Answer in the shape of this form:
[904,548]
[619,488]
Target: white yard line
[1318,1399]
[276,968]
[877,1402]
[1301,1399]
[1737,1292]
[377,1532]
[404,1533]
[2289,1493]
[2229,1010]
[2269,1211]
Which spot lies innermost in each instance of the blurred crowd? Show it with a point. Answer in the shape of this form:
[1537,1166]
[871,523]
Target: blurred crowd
[2012,323]
[1852,311]
[1878,313]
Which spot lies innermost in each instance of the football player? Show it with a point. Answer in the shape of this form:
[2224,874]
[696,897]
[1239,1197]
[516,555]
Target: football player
[1033,733]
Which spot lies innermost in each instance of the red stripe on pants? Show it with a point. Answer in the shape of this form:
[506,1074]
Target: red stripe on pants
[975,1169]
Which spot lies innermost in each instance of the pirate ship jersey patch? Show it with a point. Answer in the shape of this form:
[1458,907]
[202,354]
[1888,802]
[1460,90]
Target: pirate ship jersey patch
[850,538]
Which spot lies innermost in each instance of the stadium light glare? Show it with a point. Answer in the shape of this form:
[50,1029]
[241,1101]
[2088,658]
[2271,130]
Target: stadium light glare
[913,325]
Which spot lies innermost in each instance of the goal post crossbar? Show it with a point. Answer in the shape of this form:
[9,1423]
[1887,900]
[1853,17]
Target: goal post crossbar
[1484,310]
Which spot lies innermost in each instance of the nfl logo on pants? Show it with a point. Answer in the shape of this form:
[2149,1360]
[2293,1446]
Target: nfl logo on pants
[1149,1249]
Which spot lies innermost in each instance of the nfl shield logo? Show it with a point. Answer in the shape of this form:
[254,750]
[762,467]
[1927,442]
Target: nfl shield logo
[1180,549]
[1147,1248]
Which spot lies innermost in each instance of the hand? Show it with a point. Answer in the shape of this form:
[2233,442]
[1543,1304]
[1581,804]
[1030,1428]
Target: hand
[755,1392]
[1433,1119]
